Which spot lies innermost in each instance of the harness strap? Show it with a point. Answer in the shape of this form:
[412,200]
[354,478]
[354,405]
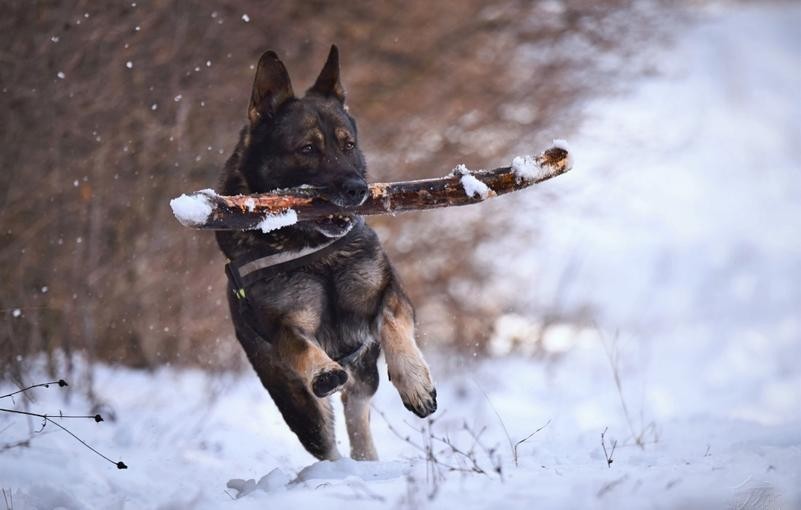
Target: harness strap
[245,268]
[248,270]
[352,356]
[257,265]
[243,271]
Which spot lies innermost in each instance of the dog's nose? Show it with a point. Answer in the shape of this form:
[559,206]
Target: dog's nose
[355,190]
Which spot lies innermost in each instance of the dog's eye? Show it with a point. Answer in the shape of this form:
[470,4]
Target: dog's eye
[306,149]
[349,146]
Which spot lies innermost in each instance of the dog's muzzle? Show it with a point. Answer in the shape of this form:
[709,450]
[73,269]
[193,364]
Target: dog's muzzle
[350,193]
[335,225]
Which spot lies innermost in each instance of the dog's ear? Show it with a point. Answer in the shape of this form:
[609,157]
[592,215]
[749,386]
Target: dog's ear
[271,88]
[328,84]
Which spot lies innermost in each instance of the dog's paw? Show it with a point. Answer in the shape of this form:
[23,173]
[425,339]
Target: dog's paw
[423,405]
[328,381]
[416,390]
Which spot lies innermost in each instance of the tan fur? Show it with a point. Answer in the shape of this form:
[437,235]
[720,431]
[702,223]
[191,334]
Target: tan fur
[304,357]
[306,319]
[343,135]
[407,368]
[357,420]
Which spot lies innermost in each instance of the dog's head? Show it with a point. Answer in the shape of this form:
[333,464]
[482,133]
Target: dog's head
[307,140]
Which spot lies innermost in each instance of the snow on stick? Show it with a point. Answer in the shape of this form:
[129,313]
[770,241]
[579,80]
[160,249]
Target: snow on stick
[267,211]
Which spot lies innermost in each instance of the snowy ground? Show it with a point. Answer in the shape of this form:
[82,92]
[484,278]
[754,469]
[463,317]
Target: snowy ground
[681,224]
[184,435]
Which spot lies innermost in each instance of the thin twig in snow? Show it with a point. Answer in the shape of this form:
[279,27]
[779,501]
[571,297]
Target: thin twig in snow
[8,497]
[610,485]
[25,443]
[613,355]
[514,450]
[61,383]
[608,455]
[500,420]
[47,419]
[452,457]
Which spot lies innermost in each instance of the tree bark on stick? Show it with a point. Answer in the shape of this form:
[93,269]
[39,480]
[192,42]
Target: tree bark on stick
[207,210]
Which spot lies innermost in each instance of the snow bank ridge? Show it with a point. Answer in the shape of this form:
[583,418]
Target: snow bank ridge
[344,469]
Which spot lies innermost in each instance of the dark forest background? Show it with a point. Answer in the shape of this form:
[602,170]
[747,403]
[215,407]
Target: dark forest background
[109,109]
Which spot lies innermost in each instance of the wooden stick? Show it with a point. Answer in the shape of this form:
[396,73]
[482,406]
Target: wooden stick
[207,210]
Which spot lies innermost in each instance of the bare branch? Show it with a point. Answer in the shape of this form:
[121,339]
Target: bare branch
[61,383]
[48,419]
[452,457]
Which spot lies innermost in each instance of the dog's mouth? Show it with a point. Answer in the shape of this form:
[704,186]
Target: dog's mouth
[335,225]
[345,201]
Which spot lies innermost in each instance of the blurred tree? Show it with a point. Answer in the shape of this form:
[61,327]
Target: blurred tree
[110,109]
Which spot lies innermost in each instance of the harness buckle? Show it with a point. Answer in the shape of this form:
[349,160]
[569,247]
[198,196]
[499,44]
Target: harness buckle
[236,282]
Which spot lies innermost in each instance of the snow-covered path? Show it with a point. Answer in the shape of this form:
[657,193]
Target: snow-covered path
[185,434]
[706,210]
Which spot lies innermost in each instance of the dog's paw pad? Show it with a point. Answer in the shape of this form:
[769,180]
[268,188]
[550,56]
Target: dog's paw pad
[326,383]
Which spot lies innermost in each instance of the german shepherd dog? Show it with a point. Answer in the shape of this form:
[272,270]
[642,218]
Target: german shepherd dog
[349,300]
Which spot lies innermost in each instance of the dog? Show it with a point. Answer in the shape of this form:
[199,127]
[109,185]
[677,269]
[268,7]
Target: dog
[316,325]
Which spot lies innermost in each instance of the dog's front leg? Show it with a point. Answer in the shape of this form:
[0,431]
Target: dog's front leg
[321,375]
[407,369]
[290,369]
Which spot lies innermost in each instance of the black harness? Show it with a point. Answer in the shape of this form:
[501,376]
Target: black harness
[257,265]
